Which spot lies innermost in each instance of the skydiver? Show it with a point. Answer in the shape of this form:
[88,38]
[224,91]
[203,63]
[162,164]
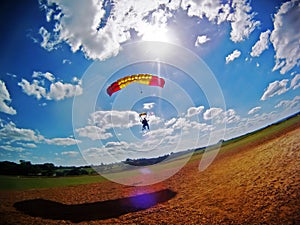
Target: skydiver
[145,124]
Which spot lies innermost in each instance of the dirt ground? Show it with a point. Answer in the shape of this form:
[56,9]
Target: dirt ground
[256,184]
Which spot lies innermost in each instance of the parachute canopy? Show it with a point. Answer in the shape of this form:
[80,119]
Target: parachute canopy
[147,79]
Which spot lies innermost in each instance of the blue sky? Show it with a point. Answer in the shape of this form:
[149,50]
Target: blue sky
[230,68]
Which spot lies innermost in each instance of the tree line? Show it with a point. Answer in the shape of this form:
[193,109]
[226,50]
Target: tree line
[26,168]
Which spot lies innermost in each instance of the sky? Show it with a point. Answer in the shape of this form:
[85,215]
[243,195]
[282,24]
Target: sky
[230,67]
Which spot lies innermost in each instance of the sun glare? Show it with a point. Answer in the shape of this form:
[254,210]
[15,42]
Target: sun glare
[154,33]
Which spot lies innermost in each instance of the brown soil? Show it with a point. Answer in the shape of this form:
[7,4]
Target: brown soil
[256,184]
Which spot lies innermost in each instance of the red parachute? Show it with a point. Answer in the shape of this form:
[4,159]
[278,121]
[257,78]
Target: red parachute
[147,79]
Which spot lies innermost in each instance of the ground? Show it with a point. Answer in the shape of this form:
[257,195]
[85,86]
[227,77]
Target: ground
[257,183]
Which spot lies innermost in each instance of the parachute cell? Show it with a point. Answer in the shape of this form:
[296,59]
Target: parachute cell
[146,79]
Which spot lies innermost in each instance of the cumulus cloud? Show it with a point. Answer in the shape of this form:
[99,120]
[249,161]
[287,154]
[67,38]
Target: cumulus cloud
[33,88]
[93,132]
[12,148]
[203,8]
[221,116]
[230,116]
[5,100]
[98,39]
[100,35]
[295,82]
[238,14]
[275,88]
[100,122]
[254,110]
[192,111]
[50,42]
[67,61]
[121,144]
[148,105]
[11,133]
[114,119]
[170,122]
[234,55]
[62,141]
[285,36]
[212,113]
[261,45]
[289,104]
[201,40]
[49,76]
[70,153]
[17,138]
[242,21]
[58,90]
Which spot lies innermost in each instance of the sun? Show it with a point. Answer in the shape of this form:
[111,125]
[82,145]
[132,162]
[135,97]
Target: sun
[156,33]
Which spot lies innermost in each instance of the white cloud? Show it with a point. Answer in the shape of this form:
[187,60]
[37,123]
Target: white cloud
[230,116]
[33,89]
[5,100]
[180,123]
[295,82]
[11,133]
[93,132]
[250,124]
[12,148]
[201,40]
[207,8]
[254,110]
[83,33]
[148,105]
[50,42]
[290,104]
[242,23]
[212,113]
[238,14]
[11,75]
[67,61]
[285,36]
[27,145]
[192,111]
[261,45]
[156,29]
[62,141]
[234,55]
[58,90]
[49,76]
[70,153]
[100,39]
[28,138]
[221,116]
[100,123]
[170,122]
[275,88]
[114,119]
[122,144]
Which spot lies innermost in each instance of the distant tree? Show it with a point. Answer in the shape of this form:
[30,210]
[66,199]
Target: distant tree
[47,169]
[9,168]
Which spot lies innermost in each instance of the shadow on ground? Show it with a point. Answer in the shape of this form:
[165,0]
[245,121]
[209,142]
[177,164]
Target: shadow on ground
[92,211]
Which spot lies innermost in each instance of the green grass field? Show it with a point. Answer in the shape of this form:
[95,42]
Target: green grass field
[25,183]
